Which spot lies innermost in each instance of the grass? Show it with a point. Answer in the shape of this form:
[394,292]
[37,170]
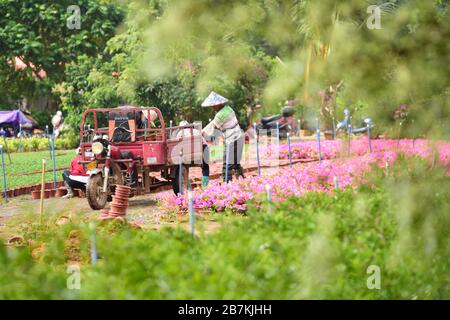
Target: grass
[316,246]
[29,162]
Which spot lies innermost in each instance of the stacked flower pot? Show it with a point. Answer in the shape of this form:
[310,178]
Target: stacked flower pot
[119,204]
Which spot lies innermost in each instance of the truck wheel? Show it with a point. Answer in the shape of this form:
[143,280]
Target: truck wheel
[184,180]
[94,192]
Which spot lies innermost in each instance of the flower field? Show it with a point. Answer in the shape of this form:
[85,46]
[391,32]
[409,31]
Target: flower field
[313,176]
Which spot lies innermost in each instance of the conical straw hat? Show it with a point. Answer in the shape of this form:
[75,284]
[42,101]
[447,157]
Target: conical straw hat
[214,99]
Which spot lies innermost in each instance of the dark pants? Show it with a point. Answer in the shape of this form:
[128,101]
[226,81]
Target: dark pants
[235,150]
[72,183]
[205,161]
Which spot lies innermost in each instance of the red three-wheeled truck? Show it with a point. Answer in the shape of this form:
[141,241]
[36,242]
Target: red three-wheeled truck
[132,146]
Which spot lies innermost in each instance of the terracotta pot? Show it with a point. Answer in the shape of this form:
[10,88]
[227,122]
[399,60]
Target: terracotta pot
[119,204]
[120,198]
[78,193]
[60,192]
[52,193]
[118,211]
[119,207]
[35,195]
[123,191]
[47,194]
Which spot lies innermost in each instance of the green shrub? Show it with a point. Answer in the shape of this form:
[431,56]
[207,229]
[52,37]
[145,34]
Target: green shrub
[316,246]
[66,142]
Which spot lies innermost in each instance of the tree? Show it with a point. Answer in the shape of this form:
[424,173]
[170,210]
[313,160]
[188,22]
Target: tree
[40,33]
[119,75]
[317,44]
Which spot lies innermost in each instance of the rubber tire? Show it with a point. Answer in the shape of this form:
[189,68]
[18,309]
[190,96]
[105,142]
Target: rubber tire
[184,182]
[117,178]
[96,200]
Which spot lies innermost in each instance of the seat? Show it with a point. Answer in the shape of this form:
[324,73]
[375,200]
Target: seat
[266,120]
[122,127]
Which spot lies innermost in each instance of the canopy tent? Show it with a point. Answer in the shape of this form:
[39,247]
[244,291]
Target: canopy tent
[15,118]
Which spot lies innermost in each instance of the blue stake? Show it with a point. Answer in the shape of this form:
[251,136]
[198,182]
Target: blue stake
[191,212]
[180,170]
[20,137]
[336,182]
[94,255]
[368,136]
[278,133]
[145,127]
[299,128]
[213,138]
[170,130]
[257,156]
[54,160]
[349,138]
[48,141]
[226,161]
[4,173]
[6,146]
[318,140]
[289,149]
[334,129]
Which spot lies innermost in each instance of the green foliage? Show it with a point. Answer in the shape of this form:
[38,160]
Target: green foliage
[397,64]
[42,117]
[68,141]
[316,246]
[37,32]
[118,76]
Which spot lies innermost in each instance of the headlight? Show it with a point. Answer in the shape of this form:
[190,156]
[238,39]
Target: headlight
[97,148]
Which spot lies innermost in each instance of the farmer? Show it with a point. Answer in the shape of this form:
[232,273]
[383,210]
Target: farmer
[225,121]
[205,159]
[76,178]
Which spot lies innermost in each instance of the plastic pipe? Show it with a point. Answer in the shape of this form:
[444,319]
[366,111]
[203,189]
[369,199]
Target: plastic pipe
[227,145]
[289,149]
[180,170]
[4,173]
[41,207]
[191,212]
[54,160]
[318,139]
